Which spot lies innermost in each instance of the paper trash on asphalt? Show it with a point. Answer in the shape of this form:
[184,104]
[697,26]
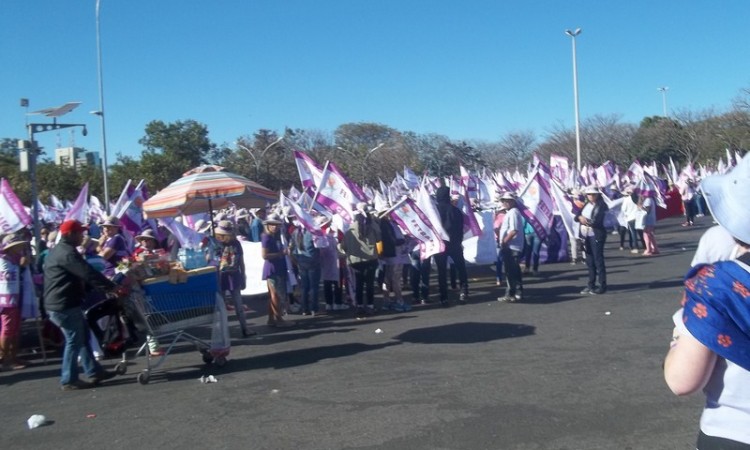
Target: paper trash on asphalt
[36,421]
[378,331]
[208,379]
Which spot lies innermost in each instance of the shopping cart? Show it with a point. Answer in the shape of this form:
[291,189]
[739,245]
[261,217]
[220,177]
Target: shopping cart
[167,311]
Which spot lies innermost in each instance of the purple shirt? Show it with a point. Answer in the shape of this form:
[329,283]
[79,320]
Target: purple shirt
[276,266]
[116,242]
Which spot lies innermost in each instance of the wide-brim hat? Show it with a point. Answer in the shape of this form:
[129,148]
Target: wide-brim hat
[728,197]
[111,221]
[224,227]
[591,190]
[322,220]
[272,219]
[146,234]
[12,240]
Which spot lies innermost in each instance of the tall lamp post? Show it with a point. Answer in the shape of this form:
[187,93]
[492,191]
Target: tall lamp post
[363,164]
[30,151]
[663,91]
[100,112]
[573,35]
[257,159]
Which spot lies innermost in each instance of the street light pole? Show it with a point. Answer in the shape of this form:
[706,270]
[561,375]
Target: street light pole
[663,91]
[363,164]
[257,159]
[573,35]
[33,152]
[100,113]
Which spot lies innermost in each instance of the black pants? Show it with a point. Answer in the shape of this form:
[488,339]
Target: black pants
[364,287]
[595,262]
[420,278]
[456,253]
[689,210]
[706,442]
[332,292]
[513,275]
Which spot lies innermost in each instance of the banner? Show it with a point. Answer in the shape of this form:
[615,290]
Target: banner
[537,203]
[13,215]
[415,223]
[80,209]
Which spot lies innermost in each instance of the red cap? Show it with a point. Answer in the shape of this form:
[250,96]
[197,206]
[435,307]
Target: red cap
[71,226]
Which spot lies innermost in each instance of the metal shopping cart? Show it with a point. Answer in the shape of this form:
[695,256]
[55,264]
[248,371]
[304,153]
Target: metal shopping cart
[168,310]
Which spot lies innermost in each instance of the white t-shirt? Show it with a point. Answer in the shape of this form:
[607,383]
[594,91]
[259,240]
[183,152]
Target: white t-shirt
[715,245]
[588,213]
[513,221]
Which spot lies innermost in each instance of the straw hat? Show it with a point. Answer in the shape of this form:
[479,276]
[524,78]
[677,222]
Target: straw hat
[111,221]
[728,197]
[272,219]
[591,190]
[12,240]
[146,234]
[225,227]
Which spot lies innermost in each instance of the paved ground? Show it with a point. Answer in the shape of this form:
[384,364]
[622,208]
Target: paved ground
[558,371]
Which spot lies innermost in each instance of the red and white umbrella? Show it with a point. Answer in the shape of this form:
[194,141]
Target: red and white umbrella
[204,189]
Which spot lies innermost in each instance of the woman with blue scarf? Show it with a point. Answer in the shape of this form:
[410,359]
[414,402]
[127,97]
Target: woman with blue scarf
[710,349]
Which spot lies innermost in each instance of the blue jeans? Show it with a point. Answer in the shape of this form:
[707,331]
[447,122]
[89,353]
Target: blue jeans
[76,331]
[309,287]
[531,251]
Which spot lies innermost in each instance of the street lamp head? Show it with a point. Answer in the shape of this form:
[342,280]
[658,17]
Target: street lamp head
[573,33]
[97,113]
[85,132]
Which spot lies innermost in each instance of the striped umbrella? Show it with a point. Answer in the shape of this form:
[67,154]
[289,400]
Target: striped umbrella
[204,188]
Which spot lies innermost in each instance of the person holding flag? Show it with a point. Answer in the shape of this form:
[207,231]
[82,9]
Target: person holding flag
[594,236]
[361,254]
[452,220]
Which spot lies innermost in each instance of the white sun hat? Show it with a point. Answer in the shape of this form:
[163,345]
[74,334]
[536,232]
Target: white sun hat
[728,198]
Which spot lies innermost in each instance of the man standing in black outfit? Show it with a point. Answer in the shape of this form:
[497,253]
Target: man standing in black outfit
[594,236]
[452,220]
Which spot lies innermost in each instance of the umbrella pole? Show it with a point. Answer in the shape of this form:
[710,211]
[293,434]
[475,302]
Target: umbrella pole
[211,217]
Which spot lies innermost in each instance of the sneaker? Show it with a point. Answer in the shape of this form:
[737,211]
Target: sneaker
[76,385]
[634,251]
[102,376]
[506,299]
[282,324]
[400,307]
[598,291]
[518,297]
[462,298]
[586,291]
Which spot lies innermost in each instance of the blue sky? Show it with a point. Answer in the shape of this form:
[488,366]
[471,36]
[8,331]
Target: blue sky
[468,70]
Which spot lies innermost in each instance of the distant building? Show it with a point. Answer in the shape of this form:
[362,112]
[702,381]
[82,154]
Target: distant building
[76,157]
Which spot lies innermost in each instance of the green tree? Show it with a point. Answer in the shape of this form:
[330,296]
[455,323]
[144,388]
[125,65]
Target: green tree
[172,149]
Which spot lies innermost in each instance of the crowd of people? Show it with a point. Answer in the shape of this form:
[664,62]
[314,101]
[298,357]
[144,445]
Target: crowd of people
[372,254]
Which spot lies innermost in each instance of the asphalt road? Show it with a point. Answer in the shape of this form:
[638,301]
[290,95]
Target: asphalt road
[558,371]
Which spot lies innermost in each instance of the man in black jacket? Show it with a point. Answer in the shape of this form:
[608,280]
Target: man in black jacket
[452,220]
[594,236]
[66,278]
